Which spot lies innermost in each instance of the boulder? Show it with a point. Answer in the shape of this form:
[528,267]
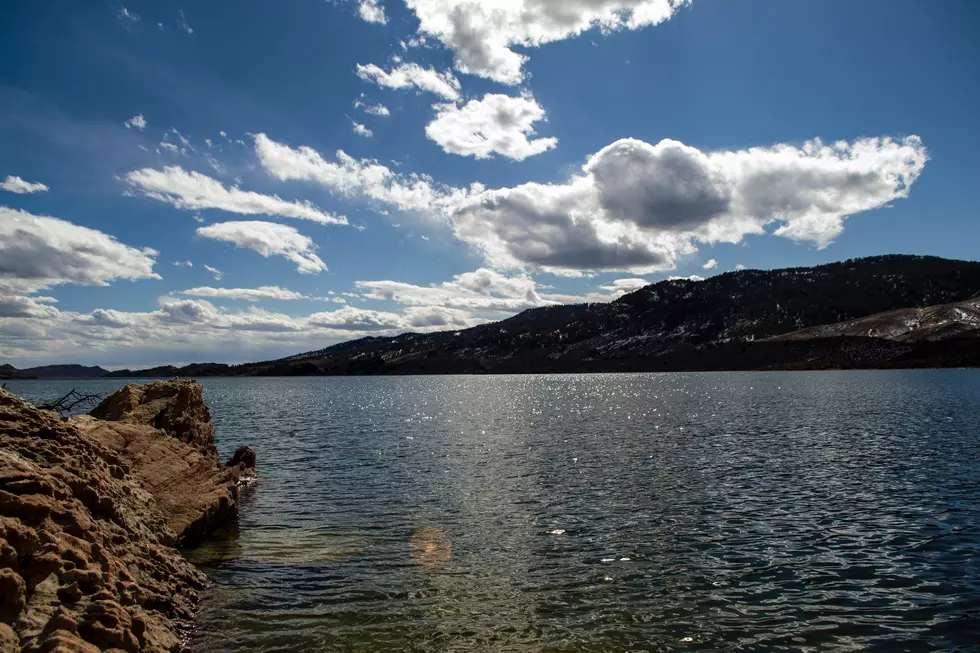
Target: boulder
[90,512]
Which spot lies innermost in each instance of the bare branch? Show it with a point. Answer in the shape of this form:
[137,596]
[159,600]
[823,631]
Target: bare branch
[67,404]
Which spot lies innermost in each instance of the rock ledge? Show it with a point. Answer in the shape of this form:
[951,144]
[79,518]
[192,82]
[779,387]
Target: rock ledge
[91,509]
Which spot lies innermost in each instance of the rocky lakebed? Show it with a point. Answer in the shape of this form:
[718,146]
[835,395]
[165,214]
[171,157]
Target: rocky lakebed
[93,512]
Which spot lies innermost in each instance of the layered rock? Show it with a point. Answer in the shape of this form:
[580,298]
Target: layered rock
[182,471]
[90,510]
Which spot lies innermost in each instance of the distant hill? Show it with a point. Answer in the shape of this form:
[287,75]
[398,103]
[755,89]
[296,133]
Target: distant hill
[66,372]
[11,372]
[725,322]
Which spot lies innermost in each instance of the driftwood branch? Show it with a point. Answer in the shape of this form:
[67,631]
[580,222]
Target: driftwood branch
[74,399]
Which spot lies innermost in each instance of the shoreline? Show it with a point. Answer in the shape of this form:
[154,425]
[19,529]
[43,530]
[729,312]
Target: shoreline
[94,512]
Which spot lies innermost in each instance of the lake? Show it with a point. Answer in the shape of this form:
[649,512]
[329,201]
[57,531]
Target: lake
[667,512]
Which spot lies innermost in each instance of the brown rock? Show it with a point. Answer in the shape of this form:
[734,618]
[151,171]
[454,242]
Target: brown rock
[176,407]
[243,456]
[89,511]
[8,640]
[12,595]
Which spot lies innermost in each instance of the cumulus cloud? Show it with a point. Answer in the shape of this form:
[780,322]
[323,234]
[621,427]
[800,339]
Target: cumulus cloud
[409,75]
[353,178]
[350,317]
[137,122]
[639,207]
[14,184]
[420,318]
[482,34]
[710,265]
[25,307]
[195,191]
[489,291]
[39,252]
[481,289]
[497,124]
[269,239]
[634,206]
[248,294]
[372,12]
[361,130]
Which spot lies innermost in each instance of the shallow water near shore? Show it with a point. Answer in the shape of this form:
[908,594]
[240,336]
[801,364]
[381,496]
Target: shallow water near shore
[671,512]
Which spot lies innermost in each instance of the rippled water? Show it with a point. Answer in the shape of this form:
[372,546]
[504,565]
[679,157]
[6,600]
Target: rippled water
[755,512]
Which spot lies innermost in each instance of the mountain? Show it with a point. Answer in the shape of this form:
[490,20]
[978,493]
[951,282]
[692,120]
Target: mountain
[66,372]
[725,322]
[11,372]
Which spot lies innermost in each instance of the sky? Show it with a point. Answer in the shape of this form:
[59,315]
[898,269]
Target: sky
[240,180]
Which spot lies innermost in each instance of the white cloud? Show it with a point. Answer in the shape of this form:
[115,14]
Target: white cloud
[17,185]
[182,22]
[482,289]
[416,318]
[183,264]
[14,306]
[350,317]
[268,239]
[710,265]
[248,294]
[639,207]
[739,267]
[194,191]
[482,33]
[215,272]
[137,122]
[486,290]
[407,75]
[39,252]
[634,206]
[497,124]
[621,287]
[126,14]
[692,277]
[372,12]
[354,178]
[373,109]
[361,130]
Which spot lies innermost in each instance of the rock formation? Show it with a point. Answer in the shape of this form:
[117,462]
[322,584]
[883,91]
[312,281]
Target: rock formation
[90,510]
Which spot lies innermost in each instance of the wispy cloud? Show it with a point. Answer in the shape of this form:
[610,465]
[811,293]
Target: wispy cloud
[14,184]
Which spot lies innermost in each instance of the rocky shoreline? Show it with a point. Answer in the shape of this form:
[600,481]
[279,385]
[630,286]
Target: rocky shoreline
[92,509]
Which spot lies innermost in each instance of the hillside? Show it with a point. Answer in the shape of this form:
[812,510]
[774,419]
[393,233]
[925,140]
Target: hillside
[66,372]
[932,323]
[721,323]
[11,372]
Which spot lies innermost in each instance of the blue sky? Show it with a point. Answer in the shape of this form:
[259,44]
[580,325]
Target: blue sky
[372,166]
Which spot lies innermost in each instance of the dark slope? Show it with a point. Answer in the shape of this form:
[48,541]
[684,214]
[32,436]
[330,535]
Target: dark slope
[672,325]
[8,371]
[66,372]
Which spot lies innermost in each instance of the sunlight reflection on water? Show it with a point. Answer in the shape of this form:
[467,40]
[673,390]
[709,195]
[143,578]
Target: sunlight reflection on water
[613,513]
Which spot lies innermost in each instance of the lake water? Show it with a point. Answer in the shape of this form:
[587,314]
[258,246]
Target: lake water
[672,512]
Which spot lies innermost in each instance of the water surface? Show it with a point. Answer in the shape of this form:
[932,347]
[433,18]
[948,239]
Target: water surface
[615,513]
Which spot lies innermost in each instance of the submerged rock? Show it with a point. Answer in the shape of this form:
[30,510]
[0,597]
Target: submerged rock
[90,510]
